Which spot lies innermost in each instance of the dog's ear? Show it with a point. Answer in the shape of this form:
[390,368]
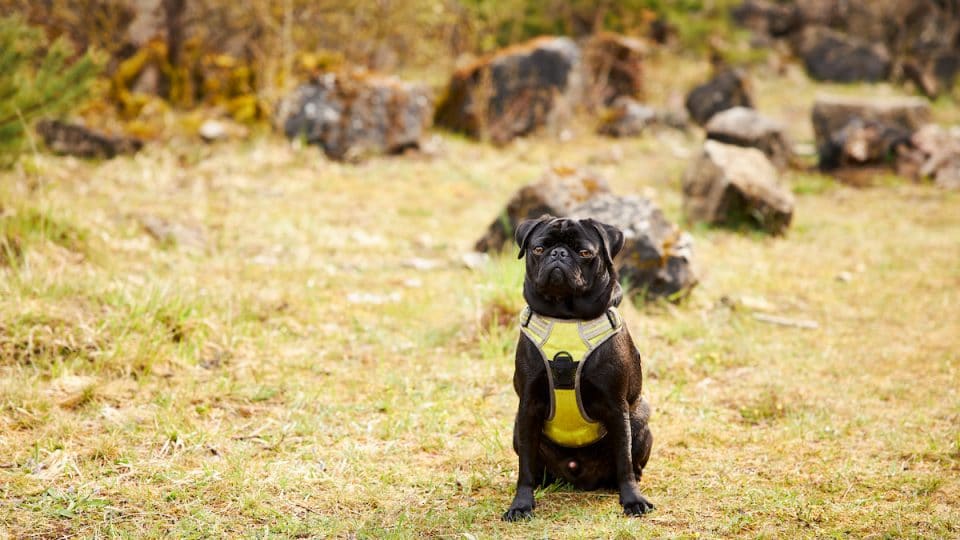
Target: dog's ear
[525,229]
[611,239]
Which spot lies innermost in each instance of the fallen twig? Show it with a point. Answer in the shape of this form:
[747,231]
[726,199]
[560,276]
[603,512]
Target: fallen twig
[307,508]
[784,321]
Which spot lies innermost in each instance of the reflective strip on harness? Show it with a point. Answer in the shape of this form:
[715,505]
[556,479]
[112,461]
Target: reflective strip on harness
[565,346]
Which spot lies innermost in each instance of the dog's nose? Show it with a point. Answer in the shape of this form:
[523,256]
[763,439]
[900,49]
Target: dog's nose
[558,253]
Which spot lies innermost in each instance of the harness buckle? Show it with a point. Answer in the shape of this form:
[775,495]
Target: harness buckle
[612,319]
[564,371]
[526,323]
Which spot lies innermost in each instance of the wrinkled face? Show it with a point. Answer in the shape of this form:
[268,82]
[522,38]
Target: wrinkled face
[564,258]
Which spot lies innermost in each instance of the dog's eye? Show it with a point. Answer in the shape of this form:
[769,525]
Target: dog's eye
[538,250]
[586,253]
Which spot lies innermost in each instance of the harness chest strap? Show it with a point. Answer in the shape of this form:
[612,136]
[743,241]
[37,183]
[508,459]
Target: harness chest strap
[565,345]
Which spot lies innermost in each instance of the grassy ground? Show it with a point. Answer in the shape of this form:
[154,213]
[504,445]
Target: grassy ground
[307,355]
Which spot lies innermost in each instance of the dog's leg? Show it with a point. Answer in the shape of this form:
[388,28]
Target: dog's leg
[642,444]
[619,428]
[527,442]
[642,436]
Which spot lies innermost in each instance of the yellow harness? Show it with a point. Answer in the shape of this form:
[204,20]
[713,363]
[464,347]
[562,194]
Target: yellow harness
[565,346]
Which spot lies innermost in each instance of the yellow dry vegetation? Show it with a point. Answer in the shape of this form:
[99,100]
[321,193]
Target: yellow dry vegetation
[249,340]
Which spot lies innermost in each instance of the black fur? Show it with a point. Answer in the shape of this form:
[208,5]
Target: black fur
[561,283]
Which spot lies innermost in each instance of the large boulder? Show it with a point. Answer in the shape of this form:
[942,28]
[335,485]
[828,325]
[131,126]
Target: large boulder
[741,126]
[514,91]
[852,132]
[627,117]
[614,67]
[352,115]
[657,257]
[730,185]
[864,40]
[767,18]
[557,193]
[831,112]
[726,90]
[829,55]
[76,140]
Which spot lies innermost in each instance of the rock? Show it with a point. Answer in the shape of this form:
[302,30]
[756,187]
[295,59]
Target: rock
[726,90]
[627,117]
[831,13]
[76,140]
[374,298]
[614,67]
[513,91]
[657,257]
[217,130]
[767,18]
[948,175]
[922,77]
[863,143]
[729,184]
[420,263]
[935,155]
[864,131]
[741,126]
[351,115]
[557,193]
[473,260]
[71,391]
[864,40]
[832,113]
[829,55]
[168,232]
[211,131]
[662,31]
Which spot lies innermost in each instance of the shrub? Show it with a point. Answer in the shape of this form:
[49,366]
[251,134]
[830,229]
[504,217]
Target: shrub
[35,81]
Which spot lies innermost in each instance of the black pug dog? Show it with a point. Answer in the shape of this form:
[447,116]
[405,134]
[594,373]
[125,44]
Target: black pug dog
[579,420]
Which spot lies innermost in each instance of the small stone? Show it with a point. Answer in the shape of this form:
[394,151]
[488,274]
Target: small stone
[212,130]
[373,299]
[71,391]
[756,303]
[170,232]
[473,260]
[363,238]
[418,263]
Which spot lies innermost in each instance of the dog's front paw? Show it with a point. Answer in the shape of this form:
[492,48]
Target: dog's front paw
[638,507]
[517,513]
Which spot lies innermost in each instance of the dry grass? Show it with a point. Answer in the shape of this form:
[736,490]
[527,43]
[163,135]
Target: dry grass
[282,370]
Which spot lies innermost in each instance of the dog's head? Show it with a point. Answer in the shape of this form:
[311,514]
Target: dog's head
[570,270]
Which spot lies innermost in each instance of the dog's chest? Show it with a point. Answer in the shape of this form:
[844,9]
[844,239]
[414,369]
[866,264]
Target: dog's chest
[566,348]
